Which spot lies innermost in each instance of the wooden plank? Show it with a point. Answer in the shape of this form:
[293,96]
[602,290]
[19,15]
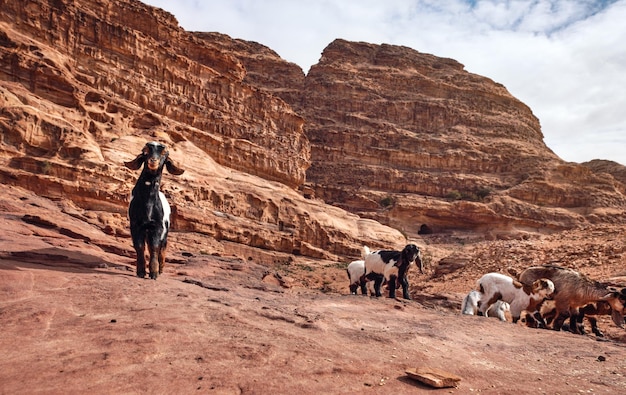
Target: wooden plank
[434,377]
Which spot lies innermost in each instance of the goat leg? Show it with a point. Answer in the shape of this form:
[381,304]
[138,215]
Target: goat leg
[162,257]
[560,320]
[405,288]
[377,283]
[140,245]
[362,284]
[392,286]
[141,265]
[594,326]
[154,262]
[576,322]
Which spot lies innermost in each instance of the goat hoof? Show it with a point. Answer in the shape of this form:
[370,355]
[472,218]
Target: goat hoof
[153,276]
[141,275]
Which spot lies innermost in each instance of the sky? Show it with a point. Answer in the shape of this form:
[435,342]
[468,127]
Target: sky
[565,59]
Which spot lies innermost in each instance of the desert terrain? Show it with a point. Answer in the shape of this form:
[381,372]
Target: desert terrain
[287,176]
[76,319]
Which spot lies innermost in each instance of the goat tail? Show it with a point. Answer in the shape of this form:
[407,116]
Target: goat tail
[365,251]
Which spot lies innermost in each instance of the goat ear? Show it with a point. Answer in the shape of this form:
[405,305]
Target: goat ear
[172,168]
[136,163]
[618,318]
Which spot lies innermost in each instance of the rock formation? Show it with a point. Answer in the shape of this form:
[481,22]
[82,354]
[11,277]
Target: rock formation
[276,160]
[84,85]
[415,141]
[384,134]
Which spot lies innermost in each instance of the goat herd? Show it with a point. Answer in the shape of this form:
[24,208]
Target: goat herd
[549,294]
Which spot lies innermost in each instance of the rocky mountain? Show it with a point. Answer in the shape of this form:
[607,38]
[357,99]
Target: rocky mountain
[287,175]
[415,141]
[375,144]
[84,85]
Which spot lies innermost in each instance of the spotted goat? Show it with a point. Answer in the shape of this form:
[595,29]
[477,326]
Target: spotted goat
[149,211]
[520,297]
[392,266]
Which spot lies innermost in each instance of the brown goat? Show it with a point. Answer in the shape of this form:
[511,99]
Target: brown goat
[593,310]
[572,291]
[590,311]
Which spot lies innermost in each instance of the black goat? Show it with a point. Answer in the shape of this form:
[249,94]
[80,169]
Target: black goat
[149,211]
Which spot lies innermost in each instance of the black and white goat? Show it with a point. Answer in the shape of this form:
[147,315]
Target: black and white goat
[392,266]
[149,211]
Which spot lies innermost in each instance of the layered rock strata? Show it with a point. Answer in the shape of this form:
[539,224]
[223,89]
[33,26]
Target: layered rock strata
[276,160]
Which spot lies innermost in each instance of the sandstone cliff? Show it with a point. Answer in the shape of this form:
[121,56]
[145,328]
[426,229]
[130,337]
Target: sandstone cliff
[392,134]
[415,141]
[275,159]
[124,64]
[84,85]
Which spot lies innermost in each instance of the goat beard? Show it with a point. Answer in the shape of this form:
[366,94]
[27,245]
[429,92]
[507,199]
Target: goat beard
[152,165]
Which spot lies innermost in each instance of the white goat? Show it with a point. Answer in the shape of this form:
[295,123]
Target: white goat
[470,306]
[520,297]
[356,275]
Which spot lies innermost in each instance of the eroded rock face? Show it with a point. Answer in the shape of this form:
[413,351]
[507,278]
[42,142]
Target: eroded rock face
[381,132]
[83,86]
[414,140]
[123,67]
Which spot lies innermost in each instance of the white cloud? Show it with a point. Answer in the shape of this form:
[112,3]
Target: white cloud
[565,59]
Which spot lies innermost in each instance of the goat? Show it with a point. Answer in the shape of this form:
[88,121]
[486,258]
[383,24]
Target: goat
[469,306]
[149,211]
[496,286]
[392,266]
[590,311]
[574,290]
[356,275]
